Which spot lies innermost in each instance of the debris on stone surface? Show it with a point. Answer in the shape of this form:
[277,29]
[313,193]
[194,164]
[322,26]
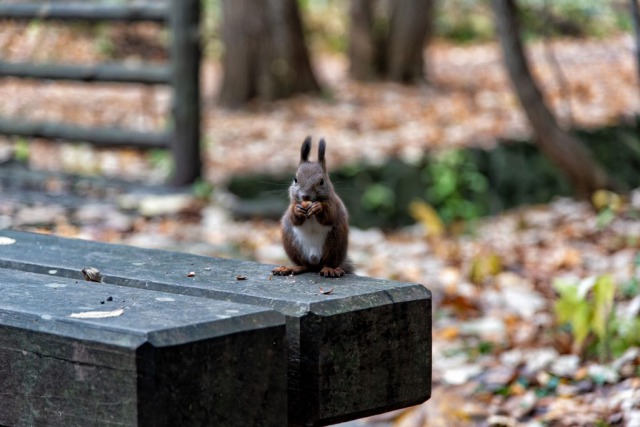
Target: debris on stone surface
[327,291]
[92,274]
[4,241]
[97,314]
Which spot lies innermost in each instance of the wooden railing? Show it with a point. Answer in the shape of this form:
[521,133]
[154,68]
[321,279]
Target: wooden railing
[182,73]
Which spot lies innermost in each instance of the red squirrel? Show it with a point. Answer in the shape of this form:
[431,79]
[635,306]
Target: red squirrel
[315,226]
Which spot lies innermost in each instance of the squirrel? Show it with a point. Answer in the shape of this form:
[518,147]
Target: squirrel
[315,226]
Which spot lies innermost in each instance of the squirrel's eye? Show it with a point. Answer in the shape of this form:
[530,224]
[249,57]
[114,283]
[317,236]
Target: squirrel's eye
[322,181]
[295,179]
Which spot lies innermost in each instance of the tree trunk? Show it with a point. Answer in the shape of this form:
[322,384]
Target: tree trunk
[562,148]
[387,39]
[265,53]
[409,32]
[362,51]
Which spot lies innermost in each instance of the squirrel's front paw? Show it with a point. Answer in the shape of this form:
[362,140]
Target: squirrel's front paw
[301,210]
[315,208]
[283,270]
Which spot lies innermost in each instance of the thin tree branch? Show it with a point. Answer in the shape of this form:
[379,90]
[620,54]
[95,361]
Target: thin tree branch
[564,87]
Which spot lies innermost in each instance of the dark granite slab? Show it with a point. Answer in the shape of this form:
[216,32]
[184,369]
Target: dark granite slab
[160,359]
[364,348]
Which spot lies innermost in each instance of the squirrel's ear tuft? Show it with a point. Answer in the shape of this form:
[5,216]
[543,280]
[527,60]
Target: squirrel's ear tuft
[321,148]
[305,150]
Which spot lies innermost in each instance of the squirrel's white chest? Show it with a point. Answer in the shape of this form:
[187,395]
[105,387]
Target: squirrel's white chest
[310,237]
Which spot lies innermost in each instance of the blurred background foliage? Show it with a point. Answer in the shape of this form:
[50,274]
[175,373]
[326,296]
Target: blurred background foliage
[461,185]
[459,21]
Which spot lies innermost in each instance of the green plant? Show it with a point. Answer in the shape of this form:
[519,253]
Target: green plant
[608,204]
[573,18]
[586,313]
[202,189]
[326,24]
[587,307]
[161,160]
[103,41]
[379,198]
[631,287]
[464,21]
[21,150]
[455,186]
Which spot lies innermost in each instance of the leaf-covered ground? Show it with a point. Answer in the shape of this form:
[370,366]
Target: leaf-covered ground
[468,101]
[500,354]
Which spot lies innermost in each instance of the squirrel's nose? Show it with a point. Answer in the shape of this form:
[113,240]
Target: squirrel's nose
[305,197]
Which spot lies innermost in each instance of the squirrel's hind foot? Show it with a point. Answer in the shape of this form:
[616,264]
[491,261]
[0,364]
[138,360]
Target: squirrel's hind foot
[332,272]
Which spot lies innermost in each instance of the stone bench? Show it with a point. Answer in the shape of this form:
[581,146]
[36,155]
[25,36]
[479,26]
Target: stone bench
[156,359]
[361,349]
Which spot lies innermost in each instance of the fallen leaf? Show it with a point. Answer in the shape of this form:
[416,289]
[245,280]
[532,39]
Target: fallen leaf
[97,314]
[502,420]
[326,291]
[460,374]
[603,199]
[448,332]
[428,217]
[4,241]
[484,266]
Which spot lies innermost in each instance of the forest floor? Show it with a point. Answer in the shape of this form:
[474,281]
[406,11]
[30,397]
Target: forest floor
[500,354]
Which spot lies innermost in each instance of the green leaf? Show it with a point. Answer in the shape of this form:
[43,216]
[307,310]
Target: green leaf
[580,323]
[202,189]
[605,217]
[445,185]
[564,310]
[604,292]
[567,290]
[566,304]
[21,150]
[378,196]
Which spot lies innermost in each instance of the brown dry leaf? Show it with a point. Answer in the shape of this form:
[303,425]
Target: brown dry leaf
[462,306]
[414,417]
[447,333]
[447,407]
[571,258]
